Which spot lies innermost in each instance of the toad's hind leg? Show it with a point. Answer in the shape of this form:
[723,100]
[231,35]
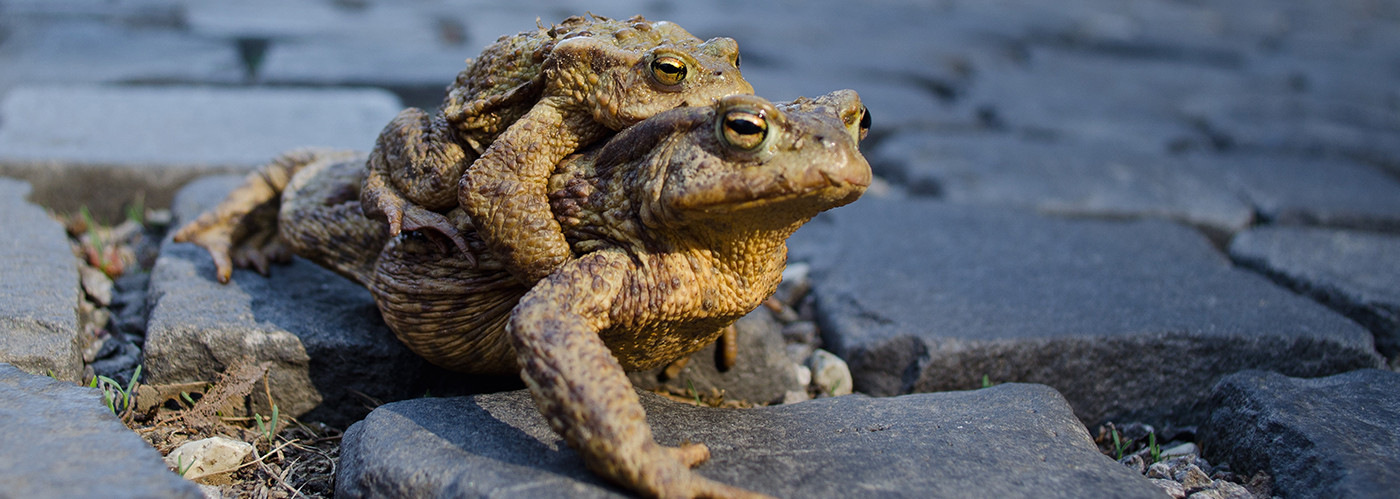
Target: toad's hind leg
[320,219]
[242,229]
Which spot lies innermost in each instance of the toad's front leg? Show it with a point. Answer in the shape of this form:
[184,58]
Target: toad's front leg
[582,390]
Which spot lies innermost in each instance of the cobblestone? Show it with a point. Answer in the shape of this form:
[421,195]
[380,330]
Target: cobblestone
[39,290]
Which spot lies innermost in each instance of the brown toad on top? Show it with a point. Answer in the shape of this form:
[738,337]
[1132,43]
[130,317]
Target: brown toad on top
[680,226]
[526,102]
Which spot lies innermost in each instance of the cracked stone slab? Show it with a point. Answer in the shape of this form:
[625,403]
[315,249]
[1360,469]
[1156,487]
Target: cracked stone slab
[1010,440]
[330,349]
[151,140]
[59,440]
[1321,191]
[1326,437]
[1129,320]
[1061,177]
[1299,123]
[39,289]
[1355,273]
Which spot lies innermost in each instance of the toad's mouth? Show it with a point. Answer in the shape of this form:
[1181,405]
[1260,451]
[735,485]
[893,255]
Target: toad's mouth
[820,186]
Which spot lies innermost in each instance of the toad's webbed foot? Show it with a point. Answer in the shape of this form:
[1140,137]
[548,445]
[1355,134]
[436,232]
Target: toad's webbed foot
[242,230]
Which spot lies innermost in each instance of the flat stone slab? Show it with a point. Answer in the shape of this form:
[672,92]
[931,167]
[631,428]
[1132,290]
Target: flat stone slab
[55,43]
[329,347]
[1355,273]
[59,440]
[39,289]
[1337,436]
[151,140]
[1006,441]
[1130,321]
[1065,177]
[1325,191]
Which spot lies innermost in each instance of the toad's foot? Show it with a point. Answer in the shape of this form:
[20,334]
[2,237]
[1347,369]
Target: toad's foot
[378,199]
[242,230]
[665,472]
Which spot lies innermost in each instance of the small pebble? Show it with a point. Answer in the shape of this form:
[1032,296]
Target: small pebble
[830,374]
[210,456]
[1160,470]
[1171,487]
[795,396]
[1193,478]
[1134,462]
[804,374]
[96,284]
[1231,490]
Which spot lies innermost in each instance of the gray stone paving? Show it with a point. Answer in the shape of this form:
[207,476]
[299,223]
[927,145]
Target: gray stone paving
[1005,133]
[150,140]
[1110,313]
[1011,441]
[39,293]
[1059,177]
[1352,272]
[1324,437]
[58,440]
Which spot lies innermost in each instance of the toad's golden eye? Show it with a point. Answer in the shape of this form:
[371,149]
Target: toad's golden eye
[864,122]
[668,70]
[744,129]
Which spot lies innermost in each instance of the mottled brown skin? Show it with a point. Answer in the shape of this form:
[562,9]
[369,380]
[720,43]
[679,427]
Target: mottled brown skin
[526,103]
[680,224]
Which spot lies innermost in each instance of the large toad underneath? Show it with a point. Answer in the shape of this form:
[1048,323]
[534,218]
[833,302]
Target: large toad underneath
[527,102]
[680,226]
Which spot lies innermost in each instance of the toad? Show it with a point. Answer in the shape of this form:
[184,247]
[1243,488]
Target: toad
[679,224]
[527,102]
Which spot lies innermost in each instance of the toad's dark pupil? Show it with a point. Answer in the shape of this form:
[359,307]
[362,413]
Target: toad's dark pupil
[737,59]
[864,118]
[744,126]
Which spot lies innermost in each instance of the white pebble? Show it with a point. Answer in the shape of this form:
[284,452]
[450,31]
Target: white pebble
[831,374]
[804,374]
[209,456]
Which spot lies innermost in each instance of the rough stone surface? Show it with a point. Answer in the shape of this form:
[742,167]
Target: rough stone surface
[39,289]
[58,440]
[329,347]
[1007,441]
[1326,437]
[51,42]
[1062,177]
[1093,308]
[1332,192]
[762,372]
[1355,273]
[152,140]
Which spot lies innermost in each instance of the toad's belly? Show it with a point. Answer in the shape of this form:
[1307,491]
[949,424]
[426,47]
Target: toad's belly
[642,347]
